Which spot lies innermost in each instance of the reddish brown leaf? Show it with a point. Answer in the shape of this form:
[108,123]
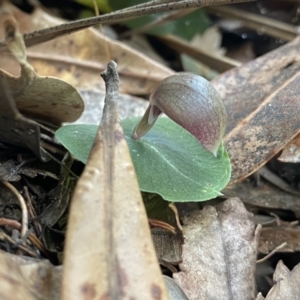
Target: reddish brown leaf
[261,98]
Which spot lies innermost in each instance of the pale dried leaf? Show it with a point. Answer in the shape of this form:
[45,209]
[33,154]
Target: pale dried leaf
[286,283]
[109,251]
[26,278]
[47,99]
[44,98]
[79,58]
[260,297]
[219,254]
[210,41]
[129,106]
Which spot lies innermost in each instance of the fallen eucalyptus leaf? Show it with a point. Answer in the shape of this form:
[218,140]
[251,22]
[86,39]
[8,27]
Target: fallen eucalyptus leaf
[109,252]
[262,98]
[168,161]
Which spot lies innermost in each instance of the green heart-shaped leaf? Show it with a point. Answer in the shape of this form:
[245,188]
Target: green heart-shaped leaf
[168,161]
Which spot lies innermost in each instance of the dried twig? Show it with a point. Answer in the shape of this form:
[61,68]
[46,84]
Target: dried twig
[36,224]
[271,253]
[20,246]
[153,7]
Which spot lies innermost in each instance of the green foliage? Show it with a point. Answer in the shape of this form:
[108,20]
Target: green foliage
[158,209]
[168,161]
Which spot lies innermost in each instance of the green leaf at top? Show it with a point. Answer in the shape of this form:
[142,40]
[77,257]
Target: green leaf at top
[168,161]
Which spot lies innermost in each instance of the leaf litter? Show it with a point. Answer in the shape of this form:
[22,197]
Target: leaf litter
[285,281]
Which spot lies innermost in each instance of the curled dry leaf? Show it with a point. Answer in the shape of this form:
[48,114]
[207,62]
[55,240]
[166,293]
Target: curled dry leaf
[219,254]
[79,58]
[45,98]
[15,129]
[261,98]
[286,284]
[109,252]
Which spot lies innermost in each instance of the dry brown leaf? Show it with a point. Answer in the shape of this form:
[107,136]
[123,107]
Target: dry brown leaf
[26,278]
[286,284]
[109,253]
[263,196]
[261,98]
[15,129]
[219,254]
[46,98]
[272,237]
[168,247]
[79,58]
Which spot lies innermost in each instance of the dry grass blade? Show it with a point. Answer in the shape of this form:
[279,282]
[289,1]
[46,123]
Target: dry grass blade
[44,35]
[109,253]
